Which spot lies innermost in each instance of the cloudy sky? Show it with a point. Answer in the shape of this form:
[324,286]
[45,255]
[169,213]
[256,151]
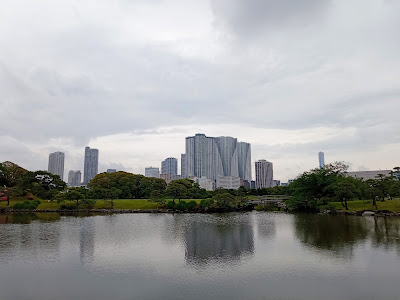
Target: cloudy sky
[133,78]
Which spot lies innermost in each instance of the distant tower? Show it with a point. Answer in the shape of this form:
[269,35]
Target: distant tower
[321,157]
[183,166]
[74,178]
[56,164]
[169,166]
[152,172]
[264,174]
[91,164]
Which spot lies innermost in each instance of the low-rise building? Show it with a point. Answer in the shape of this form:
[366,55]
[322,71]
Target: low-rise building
[365,175]
[228,182]
[205,183]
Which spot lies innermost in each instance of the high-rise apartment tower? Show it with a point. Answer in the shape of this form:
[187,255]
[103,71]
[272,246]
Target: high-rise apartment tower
[56,164]
[91,164]
[264,174]
[169,166]
[74,178]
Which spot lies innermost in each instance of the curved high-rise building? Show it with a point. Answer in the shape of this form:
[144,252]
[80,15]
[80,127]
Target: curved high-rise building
[244,161]
[228,154]
[221,156]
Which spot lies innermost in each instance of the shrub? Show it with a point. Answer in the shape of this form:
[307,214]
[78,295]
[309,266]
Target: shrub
[18,206]
[206,203]
[170,205]
[191,205]
[182,205]
[31,205]
[67,207]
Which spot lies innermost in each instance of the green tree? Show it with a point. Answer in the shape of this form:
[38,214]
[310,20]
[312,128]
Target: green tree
[176,190]
[157,197]
[316,186]
[225,200]
[345,191]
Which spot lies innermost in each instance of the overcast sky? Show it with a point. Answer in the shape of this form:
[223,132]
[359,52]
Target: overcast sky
[133,78]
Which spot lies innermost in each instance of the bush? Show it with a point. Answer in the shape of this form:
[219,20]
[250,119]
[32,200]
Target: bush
[31,205]
[191,205]
[67,207]
[206,203]
[182,205]
[170,205]
[18,206]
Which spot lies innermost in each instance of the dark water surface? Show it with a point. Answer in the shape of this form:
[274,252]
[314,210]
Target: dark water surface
[255,255]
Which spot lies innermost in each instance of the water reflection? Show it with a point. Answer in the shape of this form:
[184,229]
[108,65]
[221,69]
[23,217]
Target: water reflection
[220,239]
[86,240]
[341,234]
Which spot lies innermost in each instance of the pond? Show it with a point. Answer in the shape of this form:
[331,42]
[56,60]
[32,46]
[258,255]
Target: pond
[250,255]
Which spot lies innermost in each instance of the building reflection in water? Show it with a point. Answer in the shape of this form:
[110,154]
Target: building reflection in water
[218,241]
[86,239]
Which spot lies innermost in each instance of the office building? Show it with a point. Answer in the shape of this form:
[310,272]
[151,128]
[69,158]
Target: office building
[321,157]
[183,166]
[56,164]
[152,172]
[91,164]
[253,184]
[264,174]
[111,170]
[74,178]
[221,156]
[169,166]
[228,182]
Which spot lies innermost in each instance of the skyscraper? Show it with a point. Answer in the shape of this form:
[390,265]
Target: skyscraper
[244,161]
[152,172]
[264,174]
[221,156]
[169,166]
[201,157]
[321,157]
[183,166]
[56,164]
[91,164]
[74,178]
[228,155]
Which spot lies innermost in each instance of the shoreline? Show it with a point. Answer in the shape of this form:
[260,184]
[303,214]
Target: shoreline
[376,213]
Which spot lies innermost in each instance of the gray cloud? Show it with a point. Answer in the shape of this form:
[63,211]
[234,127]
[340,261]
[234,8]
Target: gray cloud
[255,16]
[307,64]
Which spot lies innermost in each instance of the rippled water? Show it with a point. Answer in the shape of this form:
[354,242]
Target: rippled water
[197,256]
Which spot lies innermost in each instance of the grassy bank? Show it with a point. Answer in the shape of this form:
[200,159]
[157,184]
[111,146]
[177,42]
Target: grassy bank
[360,205]
[100,204]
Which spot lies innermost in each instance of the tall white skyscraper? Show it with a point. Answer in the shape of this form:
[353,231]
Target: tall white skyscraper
[152,172]
[220,156]
[74,178]
[321,157]
[56,164]
[91,164]
[169,166]
[264,174]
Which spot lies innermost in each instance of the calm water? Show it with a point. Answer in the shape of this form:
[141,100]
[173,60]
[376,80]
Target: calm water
[194,256]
